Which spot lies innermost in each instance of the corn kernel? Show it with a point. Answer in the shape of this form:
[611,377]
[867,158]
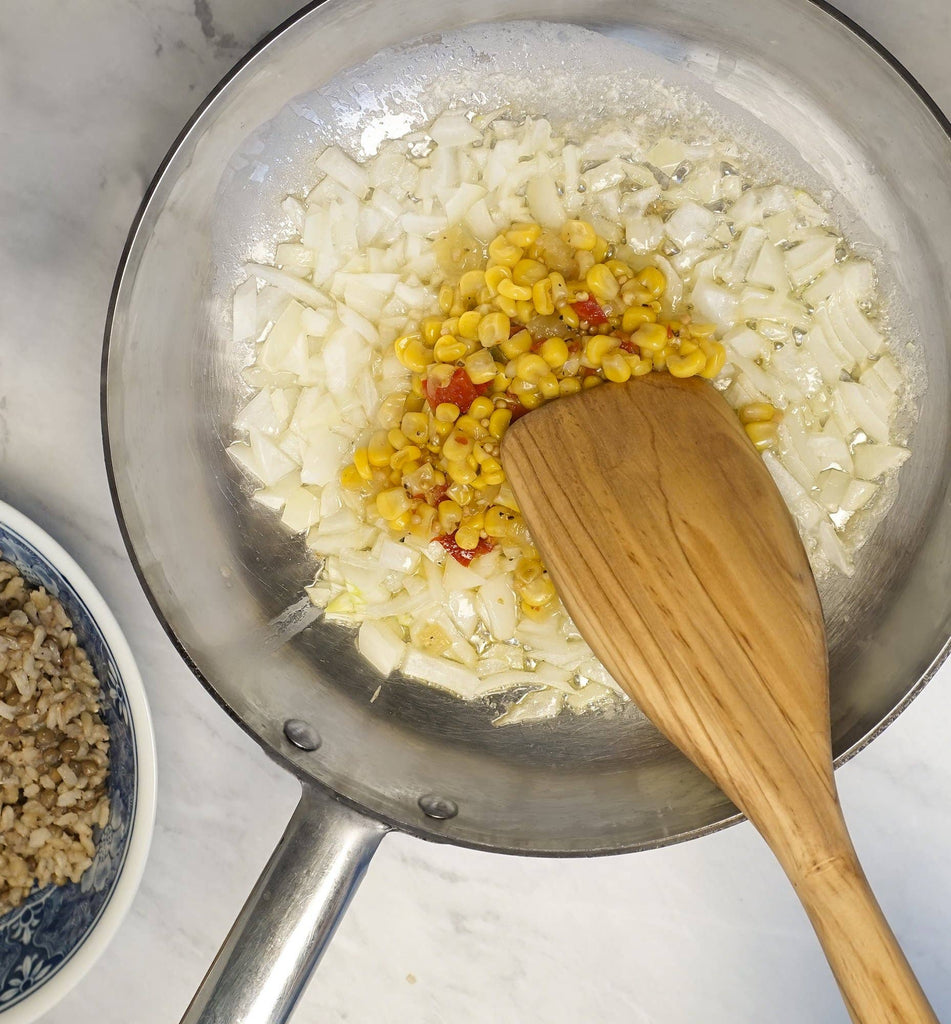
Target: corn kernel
[635,316]
[447,297]
[350,478]
[686,366]
[569,386]
[494,276]
[579,234]
[548,386]
[467,540]
[404,458]
[379,449]
[524,310]
[449,326]
[515,346]
[763,435]
[619,269]
[499,422]
[460,472]
[529,272]
[480,366]
[481,408]
[641,367]
[469,325]
[530,399]
[538,591]
[633,293]
[585,261]
[523,235]
[450,515]
[392,503]
[503,252]
[650,338]
[461,494]
[401,523]
[715,358]
[602,283]
[559,289]
[531,367]
[448,349]
[471,427]
[499,521]
[361,461]
[598,347]
[555,352]
[511,290]
[756,412]
[430,328]
[569,316]
[412,353]
[439,430]
[591,382]
[686,346]
[422,524]
[494,329]
[543,298]
[447,412]
[471,283]
[615,367]
[659,360]
[507,306]
[652,280]
[457,447]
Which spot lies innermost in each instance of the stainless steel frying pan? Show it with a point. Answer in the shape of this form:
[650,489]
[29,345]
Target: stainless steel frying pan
[221,576]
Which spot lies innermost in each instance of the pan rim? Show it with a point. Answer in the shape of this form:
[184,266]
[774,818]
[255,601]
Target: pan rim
[419,830]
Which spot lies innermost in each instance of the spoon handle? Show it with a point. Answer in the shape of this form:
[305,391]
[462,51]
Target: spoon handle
[874,977]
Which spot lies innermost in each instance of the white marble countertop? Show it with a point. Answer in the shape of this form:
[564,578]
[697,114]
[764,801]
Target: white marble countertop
[91,94]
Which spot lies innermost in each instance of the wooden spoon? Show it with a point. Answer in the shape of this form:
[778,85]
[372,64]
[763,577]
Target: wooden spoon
[678,560]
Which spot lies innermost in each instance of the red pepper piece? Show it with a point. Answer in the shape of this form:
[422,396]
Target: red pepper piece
[462,555]
[590,311]
[460,391]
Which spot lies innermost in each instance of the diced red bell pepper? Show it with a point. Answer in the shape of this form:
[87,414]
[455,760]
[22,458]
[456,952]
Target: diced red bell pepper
[460,391]
[462,555]
[591,311]
[515,407]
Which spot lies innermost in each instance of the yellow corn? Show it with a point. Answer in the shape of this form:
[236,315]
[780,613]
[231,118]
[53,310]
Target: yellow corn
[412,353]
[763,435]
[480,366]
[559,289]
[548,386]
[499,422]
[350,478]
[461,494]
[469,324]
[529,272]
[398,439]
[650,338]
[598,347]
[686,365]
[579,234]
[529,399]
[392,503]
[471,283]
[401,523]
[615,367]
[450,515]
[503,252]
[555,352]
[524,310]
[660,360]
[585,260]
[404,458]
[447,297]
[494,329]
[640,367]
[471,427]
[602,283]
[531,367]
[460,472]
[467,539]
[431,328]
[653,280]
[619,269]
[513,347]
[440,429]
[481,408]
[569,386]
[687,346]
[507,306]
[569,316]
[635,316]
[448,349]
[494,276]
[499,521]
[379,449]
[523,235]
[511,290]
[422,523]
[715,358]
[361,461]
[633,293]
[591,382]
[756,412]
[543,297]
[447,412]
[538,591]
[457,447]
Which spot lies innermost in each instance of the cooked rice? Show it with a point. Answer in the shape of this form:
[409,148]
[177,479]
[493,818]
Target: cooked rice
[54,746]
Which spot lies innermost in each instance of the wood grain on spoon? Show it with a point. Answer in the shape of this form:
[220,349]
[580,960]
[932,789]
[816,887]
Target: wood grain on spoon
[678,560]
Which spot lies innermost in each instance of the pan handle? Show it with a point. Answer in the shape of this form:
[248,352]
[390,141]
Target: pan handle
[273,947]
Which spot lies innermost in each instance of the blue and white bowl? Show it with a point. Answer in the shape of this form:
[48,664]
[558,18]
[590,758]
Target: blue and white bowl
[52,939]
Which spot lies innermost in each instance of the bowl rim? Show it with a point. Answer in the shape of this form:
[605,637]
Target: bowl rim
[49,992]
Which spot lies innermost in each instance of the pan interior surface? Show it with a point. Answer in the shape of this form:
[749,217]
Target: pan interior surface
[226,578]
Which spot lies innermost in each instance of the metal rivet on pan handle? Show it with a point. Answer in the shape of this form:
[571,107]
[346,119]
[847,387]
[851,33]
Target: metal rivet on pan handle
[301,734]
[439,807]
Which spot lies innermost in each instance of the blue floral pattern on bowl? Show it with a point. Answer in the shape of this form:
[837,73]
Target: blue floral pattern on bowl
[41,935]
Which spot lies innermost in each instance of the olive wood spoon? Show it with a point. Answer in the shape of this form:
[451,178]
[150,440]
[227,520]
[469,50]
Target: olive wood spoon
[675,555]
